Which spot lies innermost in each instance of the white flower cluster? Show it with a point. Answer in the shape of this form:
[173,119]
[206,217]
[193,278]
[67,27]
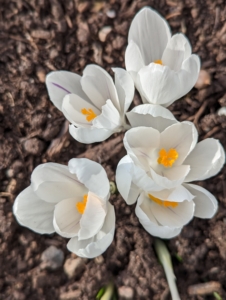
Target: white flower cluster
[163,155]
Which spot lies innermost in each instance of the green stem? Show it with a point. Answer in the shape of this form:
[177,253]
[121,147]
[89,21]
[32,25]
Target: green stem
[109,292]
[165,259]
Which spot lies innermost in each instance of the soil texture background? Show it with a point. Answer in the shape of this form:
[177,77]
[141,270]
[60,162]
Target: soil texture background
[40,36]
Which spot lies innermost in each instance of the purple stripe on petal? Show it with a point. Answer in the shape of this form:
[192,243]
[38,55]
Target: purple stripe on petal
[60,87]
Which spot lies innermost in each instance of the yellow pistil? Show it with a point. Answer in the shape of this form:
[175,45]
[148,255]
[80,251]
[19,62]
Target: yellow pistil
[89,113]
[167,159]
[81,206]
[158,61]
[164,203]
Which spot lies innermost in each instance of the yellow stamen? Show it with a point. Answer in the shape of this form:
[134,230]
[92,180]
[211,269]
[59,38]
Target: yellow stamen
[81,206]
[90,114]
[167,159]
[164,203]
[158,61]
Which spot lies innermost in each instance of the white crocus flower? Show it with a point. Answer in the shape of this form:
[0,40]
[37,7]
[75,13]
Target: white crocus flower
[71,200]
[93,104]
[163,213]
[171,156]
[161,65]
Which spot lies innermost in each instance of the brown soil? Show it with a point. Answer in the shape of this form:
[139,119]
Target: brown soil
[37,37]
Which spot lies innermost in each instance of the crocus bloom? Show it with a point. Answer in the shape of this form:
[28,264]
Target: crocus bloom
[172,156]
[161,65]
[163,213]
[93,104]
[71,200]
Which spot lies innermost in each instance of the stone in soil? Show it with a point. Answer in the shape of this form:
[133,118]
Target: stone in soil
[52,259]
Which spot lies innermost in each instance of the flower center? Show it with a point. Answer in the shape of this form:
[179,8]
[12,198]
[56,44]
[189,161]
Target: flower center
[167,159]
[164,203]
[89,113]
[81,206]
[158,61]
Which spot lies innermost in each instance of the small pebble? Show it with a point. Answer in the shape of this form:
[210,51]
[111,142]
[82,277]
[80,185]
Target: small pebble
[103,33]
[34,146]
[52,259]
[204,79]
[222,111]
[73,267]
[111,13]
[125,293]
[72,295]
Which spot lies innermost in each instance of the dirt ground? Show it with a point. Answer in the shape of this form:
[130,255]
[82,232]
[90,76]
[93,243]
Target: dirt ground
[39,36]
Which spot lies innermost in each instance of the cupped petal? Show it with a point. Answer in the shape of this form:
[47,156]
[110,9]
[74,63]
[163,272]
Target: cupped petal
[206,204]
[72,109]
[133,59]
[92,175]
[62,83]
[177,50]
[170,178]
[109,118]
[177,194]
[89,135]
[206,160]
[53,182]
[151,33]
[140,142]
[99,86]
[93,217]
[34,213]
[124,180]
[125,88]
[66,217]
[149,222]
[95,246]
[150,115]
[156,81]
[180,136]
[172,216]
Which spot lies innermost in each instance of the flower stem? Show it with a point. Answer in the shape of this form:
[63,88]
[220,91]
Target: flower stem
[165,259]
[109,292]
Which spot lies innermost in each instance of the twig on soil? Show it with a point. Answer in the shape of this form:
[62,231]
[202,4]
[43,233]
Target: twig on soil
[206,288]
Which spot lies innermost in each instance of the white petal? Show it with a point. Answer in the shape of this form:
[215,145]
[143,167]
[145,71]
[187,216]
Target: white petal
[180,136]
[99,86]
[170,177]
[151,33]
[133,59]
[89,135]
[93,247]
[62,83]
[206,160]
[53,182]
[177,194]
[71,108]
[125,88]
[156,81]
[33,212]
[206,204]
[150,115]
[92,175]
[124,176]
[66,217]
[140,142]
[172,217]
[177,50]
[93,218]
[149,222]
[109,118]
